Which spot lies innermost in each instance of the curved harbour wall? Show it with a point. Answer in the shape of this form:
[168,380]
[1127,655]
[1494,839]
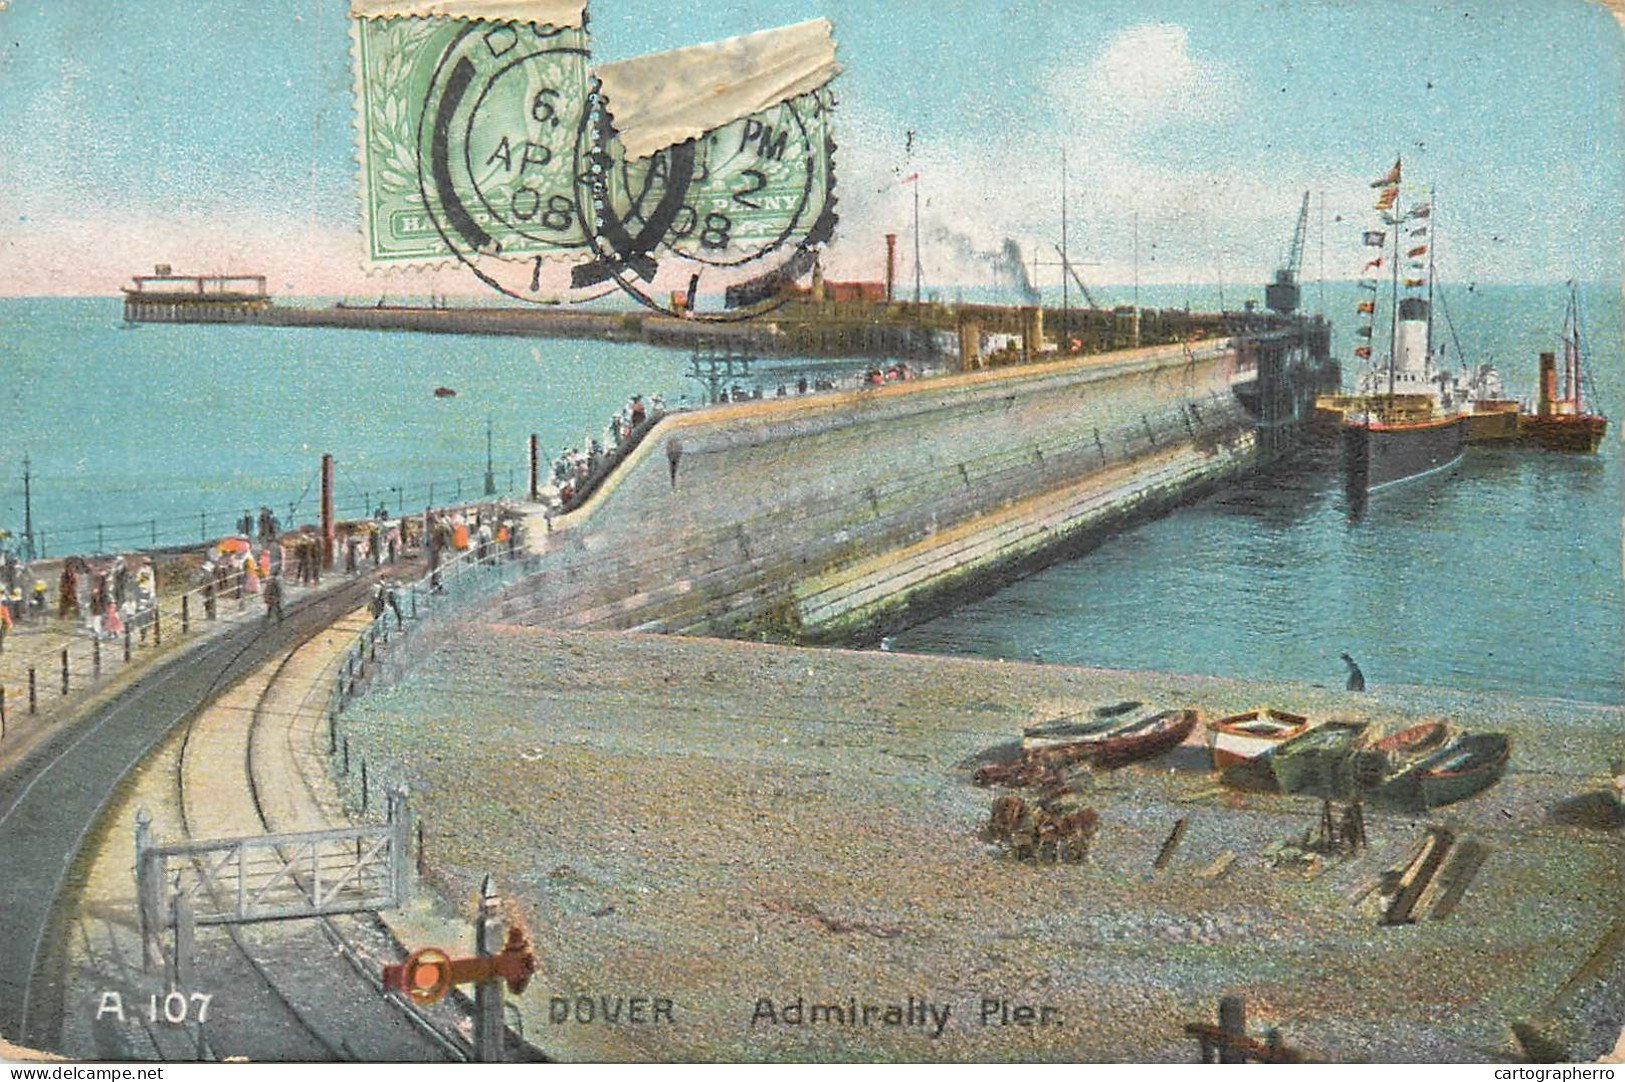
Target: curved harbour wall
[838,517]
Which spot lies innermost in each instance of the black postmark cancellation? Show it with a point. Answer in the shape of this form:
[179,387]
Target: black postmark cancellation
[925,1016]
[500,144]
[720,155]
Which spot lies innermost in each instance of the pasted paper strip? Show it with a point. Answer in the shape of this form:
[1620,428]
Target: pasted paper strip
[562,13]
[666,98]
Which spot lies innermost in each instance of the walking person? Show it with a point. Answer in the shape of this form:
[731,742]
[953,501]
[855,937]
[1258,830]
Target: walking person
[273,598]
[121,581]
[1356,677]
[67,593]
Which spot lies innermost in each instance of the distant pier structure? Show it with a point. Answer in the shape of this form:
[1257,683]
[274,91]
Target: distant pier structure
[824,318]
[166,297]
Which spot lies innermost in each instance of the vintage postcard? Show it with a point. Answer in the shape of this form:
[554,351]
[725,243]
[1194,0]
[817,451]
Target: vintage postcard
[812,531]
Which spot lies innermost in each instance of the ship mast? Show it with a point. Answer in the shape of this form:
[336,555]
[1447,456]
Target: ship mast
[1322,311]
[1571,351]
[1066,255]
[1393,322]
[1432,236]
[917,271]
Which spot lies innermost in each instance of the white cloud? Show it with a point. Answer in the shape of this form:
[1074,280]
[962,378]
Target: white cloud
[1231,218]
[1146,79]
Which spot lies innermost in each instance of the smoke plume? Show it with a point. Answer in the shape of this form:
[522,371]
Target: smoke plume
[1009,268]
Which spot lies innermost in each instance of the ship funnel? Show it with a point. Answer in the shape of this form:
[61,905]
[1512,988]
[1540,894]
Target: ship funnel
[1548,384]
[1411,349]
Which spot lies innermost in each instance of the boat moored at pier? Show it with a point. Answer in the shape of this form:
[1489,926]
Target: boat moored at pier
[1563,423]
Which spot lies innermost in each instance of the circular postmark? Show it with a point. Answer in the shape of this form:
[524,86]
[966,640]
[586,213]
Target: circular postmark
[755,195]
[496,147]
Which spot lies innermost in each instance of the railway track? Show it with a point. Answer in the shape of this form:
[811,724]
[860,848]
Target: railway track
[340,1012]
[52,801]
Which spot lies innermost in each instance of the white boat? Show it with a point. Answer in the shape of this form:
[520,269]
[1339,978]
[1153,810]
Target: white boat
[1241,738]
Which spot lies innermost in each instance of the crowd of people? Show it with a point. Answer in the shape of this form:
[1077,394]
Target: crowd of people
[575,469]
[873,377]
[14,606]
[110,596]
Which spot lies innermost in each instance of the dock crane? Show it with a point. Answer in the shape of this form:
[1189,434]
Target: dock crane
[1066,263]
[1283,294]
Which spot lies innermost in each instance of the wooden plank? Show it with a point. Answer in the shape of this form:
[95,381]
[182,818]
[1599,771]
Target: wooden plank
[1419,877]
[1167,852]
[1457,877]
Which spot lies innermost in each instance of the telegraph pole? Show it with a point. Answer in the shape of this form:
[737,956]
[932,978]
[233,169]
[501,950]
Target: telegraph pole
[28,512]
[488,1021]
[917,271]
[490,470]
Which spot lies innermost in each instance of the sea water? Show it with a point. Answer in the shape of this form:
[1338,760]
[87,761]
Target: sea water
[1503,575]
[132,429]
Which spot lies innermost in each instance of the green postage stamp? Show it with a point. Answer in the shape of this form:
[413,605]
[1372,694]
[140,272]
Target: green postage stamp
[497,143]
[468,133]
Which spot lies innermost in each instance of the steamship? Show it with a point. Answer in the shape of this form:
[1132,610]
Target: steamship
[1408,421]
[1564,423]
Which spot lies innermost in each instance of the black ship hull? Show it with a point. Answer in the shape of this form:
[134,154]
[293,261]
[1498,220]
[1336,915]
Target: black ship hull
[1377,455]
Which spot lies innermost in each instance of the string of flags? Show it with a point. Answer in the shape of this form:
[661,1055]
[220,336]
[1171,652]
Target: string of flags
[1386,203]
[1389,178]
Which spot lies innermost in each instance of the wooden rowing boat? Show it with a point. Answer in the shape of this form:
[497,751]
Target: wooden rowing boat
[1089,725]
[1470,764]
[1241,738]
[1318,761]
[1142,738]
[1396,753]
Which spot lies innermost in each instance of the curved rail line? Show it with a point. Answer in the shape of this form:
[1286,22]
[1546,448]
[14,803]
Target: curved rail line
[179,781]
[432,1044]
[61,793]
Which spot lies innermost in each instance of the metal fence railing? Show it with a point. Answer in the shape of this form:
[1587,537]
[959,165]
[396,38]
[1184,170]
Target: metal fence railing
[380,647]
[39,665]
[190,528]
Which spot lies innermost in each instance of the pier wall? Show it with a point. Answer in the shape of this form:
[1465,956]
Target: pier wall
[838,517]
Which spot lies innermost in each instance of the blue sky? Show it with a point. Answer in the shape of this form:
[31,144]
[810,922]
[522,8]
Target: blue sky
[219,135]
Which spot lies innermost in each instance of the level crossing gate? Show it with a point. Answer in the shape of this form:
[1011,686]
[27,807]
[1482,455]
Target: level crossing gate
[268,877]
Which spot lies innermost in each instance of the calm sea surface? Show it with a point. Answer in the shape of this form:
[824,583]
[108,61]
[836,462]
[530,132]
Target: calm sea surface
[1503,576]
